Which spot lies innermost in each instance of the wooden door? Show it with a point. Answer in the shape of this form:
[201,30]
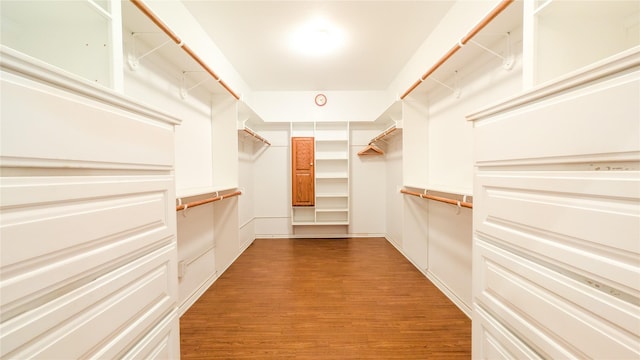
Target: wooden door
[302,182]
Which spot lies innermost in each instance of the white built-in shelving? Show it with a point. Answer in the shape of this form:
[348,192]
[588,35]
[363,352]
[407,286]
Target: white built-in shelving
[596,30]
[542,181]
[331,174]
[75,36]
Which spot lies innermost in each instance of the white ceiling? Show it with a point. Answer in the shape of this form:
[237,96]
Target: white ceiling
[381,37]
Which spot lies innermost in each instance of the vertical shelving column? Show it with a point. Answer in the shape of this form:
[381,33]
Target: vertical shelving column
[332,173]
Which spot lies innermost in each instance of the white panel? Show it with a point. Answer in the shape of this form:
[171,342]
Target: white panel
[247,200]
[225,227]
[224,142]
[128,215]
[247,234]
[52,32]
[494,341]
[559,315]
[590,220]
[272,183]
[196,259]
[101,318]
[64,129]
[576,123]
[450,143]
[367,211]
[556,218]
[273,226]
[450,248]
[416,230]
[293,106]
[394,199]
[195,273]
[163,342]
[415,144]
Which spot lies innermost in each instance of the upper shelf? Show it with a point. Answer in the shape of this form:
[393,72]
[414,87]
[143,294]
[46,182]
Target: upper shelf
[143,28]
[248,119]
[62,33]
[492,36]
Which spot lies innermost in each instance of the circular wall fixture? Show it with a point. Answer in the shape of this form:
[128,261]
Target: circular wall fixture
[321,99]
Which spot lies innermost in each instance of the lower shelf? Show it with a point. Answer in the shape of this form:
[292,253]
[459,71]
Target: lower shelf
[318,216]
[321,223]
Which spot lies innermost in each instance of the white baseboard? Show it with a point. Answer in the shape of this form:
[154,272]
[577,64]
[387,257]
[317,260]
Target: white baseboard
[435,281]
[321,236]
[207,283]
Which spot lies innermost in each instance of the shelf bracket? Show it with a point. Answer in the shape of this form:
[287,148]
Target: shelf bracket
[455,89]
[132,59]
[184,91]
[508,59]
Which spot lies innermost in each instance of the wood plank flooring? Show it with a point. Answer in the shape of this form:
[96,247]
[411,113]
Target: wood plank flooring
[324,299]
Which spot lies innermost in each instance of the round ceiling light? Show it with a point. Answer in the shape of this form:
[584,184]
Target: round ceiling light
[317,38]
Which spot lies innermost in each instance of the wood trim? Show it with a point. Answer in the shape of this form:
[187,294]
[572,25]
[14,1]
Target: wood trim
[484,22]
[255,135]
[207,200]
[165,28]
[439,198]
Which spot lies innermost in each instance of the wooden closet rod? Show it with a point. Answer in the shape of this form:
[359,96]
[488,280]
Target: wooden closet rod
[156,20]
[383,134]
[486,20]
[255,135]
[438,198]
[207,200]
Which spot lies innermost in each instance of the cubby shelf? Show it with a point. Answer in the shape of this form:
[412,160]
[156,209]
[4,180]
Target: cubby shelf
[331,174]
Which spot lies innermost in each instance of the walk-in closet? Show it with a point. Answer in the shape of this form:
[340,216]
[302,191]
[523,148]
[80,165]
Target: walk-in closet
[446,179]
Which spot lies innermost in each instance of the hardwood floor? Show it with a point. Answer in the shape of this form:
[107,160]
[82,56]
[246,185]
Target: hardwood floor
[324,299]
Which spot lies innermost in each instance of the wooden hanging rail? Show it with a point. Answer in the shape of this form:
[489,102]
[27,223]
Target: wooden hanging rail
[385,133]
[371,148]
[255,135]
[156,20]
[438,198]
[484,22]
[207,200]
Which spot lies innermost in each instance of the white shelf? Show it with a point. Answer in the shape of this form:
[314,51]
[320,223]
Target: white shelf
[332,195]
[331,174]
[307,223]
[51,31]
[332,210]
[183,193]
[336,175]
[332,136]
[332,155]
[442,189]
[595,30]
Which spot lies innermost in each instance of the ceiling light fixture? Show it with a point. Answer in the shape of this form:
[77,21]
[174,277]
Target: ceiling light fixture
[317,38]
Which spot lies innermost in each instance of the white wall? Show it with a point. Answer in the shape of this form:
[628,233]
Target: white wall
[180,20]
[432,236]
[394,200]
[196,253]
[209,235]
[456,24]
[246,214]
[367,181]
[296,106]
[272,184]
[436,238]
